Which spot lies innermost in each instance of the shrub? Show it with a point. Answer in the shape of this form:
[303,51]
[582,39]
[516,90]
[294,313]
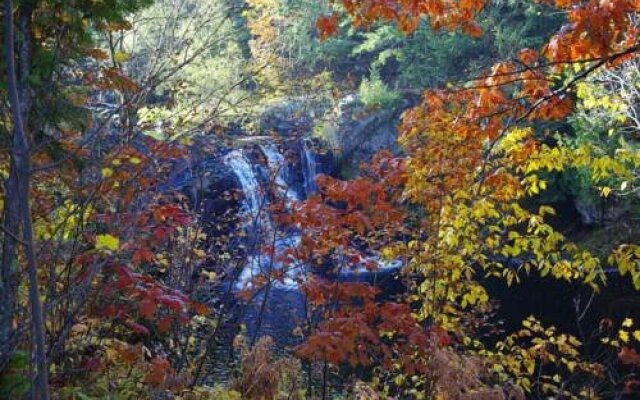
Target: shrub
[374,92]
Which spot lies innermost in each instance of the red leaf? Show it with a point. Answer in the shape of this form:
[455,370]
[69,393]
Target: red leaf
[245,294]
[147,308]
[472,29]
[141,254]
[528,56]
[631,386]
[160,233]
[110,311]
[174,303]
[91,364]
[165,324]
[628,355]
[158,371]
[126,277]
[136,327]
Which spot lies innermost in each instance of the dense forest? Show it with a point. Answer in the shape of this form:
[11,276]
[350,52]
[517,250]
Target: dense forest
[320,199]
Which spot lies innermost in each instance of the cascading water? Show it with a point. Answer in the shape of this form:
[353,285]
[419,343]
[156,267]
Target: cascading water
[278,166]
[309,170]
[255,208]
[258,223]
[259,227]
[254,201]
[279,305]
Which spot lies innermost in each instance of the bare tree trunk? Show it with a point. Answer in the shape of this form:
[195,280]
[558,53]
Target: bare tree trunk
[9,268]
[325,379]
[19,181]
[9,277]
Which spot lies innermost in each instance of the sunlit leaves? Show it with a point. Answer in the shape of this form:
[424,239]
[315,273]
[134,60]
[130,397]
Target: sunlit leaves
[627,258]
[107,242]
[470,160]
[442,14]
[537,350]
[595,29]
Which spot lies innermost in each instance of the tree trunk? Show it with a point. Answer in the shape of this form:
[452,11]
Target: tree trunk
[9,268]
[9,280]
[18,205]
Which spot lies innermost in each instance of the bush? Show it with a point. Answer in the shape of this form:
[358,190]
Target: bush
[374,92]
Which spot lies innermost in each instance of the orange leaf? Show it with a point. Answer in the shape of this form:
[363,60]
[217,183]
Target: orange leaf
[327,26]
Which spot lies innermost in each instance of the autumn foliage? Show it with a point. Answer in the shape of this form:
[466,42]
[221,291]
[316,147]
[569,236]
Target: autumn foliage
[471,154]
[120,251]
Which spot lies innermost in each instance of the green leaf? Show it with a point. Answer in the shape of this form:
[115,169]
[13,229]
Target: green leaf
[13,385]
[19,360]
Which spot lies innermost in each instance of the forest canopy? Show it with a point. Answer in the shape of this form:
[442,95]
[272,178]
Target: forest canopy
[334,199]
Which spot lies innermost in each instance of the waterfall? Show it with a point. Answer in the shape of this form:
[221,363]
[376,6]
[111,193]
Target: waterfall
[256,207]
[309,169]
[241,167]
[278,165]
[263,263]
[261,232]
[266,244]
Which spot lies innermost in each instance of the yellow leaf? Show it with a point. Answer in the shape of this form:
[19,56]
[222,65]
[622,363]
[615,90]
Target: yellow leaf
[199,253]
[107,172]
[121,56]
[606,191]
[627,323]
[623,335]
[107,242]
[135,160]
[530,366]
[543,185]
[636,335]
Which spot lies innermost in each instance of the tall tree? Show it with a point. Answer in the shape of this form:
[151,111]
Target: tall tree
[37,44]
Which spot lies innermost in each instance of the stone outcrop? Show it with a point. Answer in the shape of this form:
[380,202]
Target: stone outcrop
[355,132]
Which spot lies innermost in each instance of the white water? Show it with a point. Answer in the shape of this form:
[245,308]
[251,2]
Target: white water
[309,169]
[261,263]
[243,170]
[380,265]
[278,166]
[259,228]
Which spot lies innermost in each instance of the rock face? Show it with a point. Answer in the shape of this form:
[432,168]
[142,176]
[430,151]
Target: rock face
[288,118]
[341,136]
[212,188]
[355,133]
[601,213]
[219,199]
